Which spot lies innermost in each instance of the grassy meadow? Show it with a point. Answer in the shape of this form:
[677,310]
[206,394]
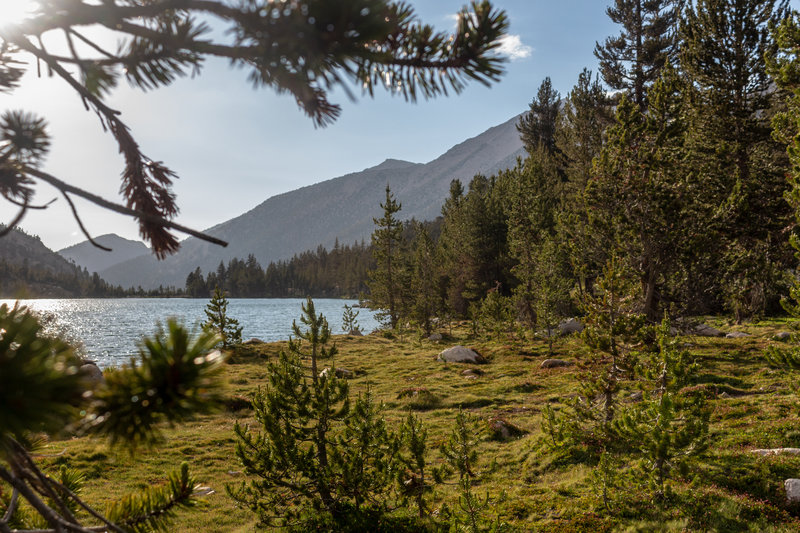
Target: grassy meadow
[533,489]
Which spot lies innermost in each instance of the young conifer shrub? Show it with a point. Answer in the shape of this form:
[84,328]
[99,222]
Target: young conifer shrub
[219,322]
[315,459]
[670,429]
[350,320]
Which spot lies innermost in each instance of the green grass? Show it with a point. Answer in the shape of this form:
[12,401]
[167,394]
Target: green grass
[535,490]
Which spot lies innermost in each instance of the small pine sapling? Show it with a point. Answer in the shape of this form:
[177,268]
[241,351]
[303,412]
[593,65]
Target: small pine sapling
[218,321]
[412,480]
[366,454]
[349,321]
[551,288]
[291,455]
[461,456]
[670,429]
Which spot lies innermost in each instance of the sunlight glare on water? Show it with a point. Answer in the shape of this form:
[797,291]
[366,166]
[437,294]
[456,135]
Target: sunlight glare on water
[109,329]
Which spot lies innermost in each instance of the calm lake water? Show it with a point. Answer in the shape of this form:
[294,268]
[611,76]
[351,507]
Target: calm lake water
[109,329]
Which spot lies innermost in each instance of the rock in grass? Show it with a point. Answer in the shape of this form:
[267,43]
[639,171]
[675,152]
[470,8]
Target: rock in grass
[556,363]
[340,373]
[568,327]
[355,333]
[436,337]
[736,335]
[501,429]
[254,340]
[776,451]
[704,330]
[792,487]
[472,372]
[782,336]
[460,354]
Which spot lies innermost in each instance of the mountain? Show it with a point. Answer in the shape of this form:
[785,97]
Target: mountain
[28,268]
[341,208]
[96,260]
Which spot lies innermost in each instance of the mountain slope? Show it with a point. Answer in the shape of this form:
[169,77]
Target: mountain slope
[30,269]
[96,260]
[340,208]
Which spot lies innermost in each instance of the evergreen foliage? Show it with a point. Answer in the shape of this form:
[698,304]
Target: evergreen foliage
[388,277]
[314,453]
[669,430]
[43,388]
[632,61]
[349,320]
[537,127]
[225,327]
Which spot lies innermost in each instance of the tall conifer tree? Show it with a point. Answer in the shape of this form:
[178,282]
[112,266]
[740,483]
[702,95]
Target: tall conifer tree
[632,61]
[386,279]
[538,126]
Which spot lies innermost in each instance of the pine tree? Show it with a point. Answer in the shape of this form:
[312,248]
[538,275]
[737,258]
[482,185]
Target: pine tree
[637,198]
[537,127]
[738,168]
[349,320]
[669,430]
[386,279]
[218,321]
[414,485]
[633,60]
[291,455]
[425,286]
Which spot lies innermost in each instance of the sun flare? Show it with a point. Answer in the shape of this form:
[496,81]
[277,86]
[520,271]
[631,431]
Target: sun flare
[14,11]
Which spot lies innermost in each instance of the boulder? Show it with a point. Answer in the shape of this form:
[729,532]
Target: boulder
[704,330]
[355,333]
[782,336]
[500,429]
[736,335]
[568,327]
[93,374]
[556,363]
[792,487]
[776,451]
[460,354]
[340,373]
[254,340]
[435,337]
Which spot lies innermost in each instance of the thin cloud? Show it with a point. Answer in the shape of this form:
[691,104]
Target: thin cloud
[513,47]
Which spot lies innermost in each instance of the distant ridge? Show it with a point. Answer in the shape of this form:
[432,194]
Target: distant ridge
[341,208]
[94,259]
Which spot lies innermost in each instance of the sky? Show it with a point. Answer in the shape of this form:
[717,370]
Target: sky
[233,146]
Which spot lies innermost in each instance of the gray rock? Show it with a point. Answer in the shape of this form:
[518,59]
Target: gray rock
[340,373]
[93,374]
[460,354]
[736,335]
[725,396]
[355,333]
[568,327]
[792,487]
[704,330]
[556,363]
[435,337]
[776,451]
[782,336]
[473,372]
[254,340]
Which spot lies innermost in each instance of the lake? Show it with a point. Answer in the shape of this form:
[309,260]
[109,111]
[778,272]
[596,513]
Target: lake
[109,329]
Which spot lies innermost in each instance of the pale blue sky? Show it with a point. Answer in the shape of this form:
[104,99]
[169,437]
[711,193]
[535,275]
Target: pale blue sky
[234,147]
